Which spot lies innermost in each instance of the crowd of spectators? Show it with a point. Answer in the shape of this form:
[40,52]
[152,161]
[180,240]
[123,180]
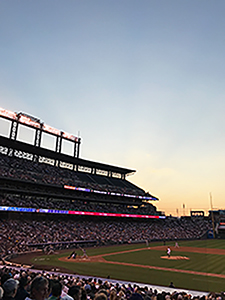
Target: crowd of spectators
[17,235]
[20,284]
[21,233]
[77,205]
[23,169]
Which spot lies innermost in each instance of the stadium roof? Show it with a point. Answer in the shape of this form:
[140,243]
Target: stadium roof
[15,144]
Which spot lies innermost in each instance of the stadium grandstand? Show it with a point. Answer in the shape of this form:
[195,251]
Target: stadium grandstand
[32,170]
[42,188]
[51,200]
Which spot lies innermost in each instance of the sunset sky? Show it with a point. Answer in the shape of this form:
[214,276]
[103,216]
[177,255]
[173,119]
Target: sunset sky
[141,82]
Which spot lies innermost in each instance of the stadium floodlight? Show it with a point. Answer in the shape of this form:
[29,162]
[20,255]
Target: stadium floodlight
[27,121]
[29,117]
[8,114]
[36,123]
[69,136]
[51,129]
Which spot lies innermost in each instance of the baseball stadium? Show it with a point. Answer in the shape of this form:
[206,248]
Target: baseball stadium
[85,224]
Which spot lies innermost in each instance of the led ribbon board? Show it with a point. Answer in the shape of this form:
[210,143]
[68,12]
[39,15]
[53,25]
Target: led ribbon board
[107,193]
[74,212]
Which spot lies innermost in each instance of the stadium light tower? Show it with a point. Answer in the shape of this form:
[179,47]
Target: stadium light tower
[212,215]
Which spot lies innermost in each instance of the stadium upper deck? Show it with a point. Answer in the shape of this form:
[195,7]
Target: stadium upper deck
[31,169]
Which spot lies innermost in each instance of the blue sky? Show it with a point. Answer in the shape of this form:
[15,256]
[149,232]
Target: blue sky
[141,81]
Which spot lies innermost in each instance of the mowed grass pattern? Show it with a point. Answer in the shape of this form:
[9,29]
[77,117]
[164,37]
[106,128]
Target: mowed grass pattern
[209,263]
[211,243]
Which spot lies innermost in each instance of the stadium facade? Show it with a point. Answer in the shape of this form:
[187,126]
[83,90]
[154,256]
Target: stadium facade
[82,179]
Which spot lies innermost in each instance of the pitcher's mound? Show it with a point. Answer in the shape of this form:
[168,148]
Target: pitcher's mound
[175,257]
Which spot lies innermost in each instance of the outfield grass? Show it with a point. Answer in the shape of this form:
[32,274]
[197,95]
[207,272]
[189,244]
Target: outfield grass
[198,262]
[209,263]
